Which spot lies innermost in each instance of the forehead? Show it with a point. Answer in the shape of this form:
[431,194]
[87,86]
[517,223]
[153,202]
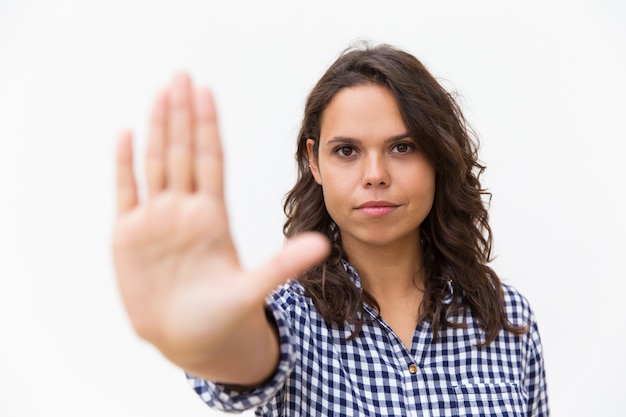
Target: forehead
[361,112]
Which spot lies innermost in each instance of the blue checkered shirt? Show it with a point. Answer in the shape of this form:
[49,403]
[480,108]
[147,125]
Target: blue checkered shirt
[320,373]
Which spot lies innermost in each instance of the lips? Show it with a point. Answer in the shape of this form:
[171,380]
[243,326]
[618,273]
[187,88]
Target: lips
[376,208]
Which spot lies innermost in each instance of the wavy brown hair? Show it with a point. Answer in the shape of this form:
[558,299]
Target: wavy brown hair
[456,237]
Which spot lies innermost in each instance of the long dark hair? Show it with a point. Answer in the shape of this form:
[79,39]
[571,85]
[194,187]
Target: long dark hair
[456,237]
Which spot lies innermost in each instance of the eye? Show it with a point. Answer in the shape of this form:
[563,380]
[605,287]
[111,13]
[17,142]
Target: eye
[403,147]
[345,151]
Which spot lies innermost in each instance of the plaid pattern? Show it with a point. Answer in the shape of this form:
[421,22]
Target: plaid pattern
[322,374]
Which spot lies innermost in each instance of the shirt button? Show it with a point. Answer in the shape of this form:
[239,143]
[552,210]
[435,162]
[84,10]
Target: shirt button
[412,368]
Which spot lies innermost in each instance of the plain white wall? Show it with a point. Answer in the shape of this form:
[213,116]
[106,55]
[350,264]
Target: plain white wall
[542,82]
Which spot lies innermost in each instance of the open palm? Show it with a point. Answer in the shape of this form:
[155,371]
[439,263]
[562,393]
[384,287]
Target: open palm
[175,261]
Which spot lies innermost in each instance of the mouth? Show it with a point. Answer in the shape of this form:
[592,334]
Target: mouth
[376,208]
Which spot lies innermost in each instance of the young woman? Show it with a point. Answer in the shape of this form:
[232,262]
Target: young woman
[382,302]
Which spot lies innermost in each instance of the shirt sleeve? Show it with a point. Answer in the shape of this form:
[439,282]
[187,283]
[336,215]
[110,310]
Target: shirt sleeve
[533,378]
[536,376]
[224,398]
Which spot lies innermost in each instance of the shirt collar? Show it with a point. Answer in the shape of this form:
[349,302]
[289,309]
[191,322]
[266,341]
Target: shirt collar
[354,276]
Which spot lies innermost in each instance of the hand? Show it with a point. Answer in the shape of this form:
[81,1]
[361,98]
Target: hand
[174,257]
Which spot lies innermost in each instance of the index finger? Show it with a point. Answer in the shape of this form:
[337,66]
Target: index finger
[209,170]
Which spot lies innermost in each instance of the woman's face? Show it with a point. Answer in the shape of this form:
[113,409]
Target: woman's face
[377,187]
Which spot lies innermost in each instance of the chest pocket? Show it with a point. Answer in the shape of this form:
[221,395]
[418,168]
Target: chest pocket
[491,399]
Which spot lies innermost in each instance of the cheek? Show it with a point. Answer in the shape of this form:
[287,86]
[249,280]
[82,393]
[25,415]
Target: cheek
[336,197]
[427,174]
[335,182]
[330,194]
[424,187]
[429,189]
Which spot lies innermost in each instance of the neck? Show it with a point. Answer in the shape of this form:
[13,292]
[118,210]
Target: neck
[388,273]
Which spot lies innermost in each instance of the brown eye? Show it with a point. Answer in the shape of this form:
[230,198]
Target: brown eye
[345,151]
[402,148]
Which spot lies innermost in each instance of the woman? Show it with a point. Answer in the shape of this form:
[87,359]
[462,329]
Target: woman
[399,315]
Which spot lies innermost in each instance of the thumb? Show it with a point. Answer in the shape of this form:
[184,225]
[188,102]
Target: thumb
[299,254]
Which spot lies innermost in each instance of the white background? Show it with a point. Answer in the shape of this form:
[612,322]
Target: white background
[542,82]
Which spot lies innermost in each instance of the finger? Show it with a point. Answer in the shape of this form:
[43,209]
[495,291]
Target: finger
[180,132]
[301,253]
[155,151]
[208,149]
[126,185]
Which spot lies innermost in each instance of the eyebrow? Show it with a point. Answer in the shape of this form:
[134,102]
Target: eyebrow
[345,139]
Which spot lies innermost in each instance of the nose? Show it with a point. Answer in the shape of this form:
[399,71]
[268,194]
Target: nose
[375,172]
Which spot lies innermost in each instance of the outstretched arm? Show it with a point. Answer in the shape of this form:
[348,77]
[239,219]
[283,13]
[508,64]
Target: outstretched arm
[175,261]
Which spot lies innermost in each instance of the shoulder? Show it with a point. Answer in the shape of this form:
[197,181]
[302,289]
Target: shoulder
[520,313]
[516,306]
[288,296]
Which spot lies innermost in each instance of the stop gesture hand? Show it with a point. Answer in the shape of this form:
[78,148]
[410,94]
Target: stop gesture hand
[175,261]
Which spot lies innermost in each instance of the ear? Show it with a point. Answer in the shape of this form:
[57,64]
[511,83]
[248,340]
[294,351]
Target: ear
[315,169]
